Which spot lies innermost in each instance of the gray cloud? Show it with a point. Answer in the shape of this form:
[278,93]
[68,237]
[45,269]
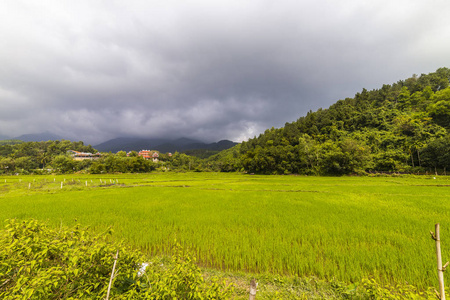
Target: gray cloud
[95,70]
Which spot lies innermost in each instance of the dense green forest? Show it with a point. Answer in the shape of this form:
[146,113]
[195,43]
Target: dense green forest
[403,127]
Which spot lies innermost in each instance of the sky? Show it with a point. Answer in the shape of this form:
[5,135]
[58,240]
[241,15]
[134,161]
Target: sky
[94,70]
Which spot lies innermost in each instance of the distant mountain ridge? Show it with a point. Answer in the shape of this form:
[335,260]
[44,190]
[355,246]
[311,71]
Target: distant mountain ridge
[128,144]
[162,145]
[39,137]
[135,143]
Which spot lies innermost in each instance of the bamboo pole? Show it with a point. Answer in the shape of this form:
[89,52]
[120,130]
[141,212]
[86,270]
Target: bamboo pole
[253,286]
[112,275]
[441,269]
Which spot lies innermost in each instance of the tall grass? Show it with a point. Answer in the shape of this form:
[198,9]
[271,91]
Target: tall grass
[336,227]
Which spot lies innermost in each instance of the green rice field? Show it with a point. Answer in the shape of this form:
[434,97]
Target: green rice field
[344,228]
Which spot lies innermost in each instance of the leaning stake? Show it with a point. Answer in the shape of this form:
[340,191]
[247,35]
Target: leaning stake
[112,274]
[441,269]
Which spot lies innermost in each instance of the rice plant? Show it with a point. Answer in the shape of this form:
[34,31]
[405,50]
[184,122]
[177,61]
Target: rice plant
[345,228]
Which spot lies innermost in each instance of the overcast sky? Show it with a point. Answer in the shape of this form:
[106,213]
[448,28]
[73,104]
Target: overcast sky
[93,70]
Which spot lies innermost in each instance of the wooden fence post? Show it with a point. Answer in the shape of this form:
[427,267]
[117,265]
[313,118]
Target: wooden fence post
[441,269]
[253,286]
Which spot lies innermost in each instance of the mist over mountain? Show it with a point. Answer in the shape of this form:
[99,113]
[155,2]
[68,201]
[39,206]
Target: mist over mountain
[39,137]
[128,144]
[160,144]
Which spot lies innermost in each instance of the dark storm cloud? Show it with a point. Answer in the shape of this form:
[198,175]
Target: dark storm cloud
[95,70]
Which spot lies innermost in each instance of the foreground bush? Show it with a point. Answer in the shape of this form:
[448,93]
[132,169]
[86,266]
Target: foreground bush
[370,289]
[38,262]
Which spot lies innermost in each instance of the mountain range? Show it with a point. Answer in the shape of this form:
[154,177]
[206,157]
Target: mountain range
[160,144]
[137,144]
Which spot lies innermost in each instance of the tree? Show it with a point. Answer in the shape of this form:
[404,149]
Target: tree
[25,163]
[437,153]
[390,160]
[121,154]
[7,165]
[140,165]
[63,164]
[133,154]
[309,152]
[440,112]
[97,167]
[404,98]
[346,157]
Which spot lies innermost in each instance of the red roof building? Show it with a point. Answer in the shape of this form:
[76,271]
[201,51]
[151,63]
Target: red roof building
[149,154]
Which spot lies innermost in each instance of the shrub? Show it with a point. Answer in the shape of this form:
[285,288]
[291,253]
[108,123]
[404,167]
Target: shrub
[38,262]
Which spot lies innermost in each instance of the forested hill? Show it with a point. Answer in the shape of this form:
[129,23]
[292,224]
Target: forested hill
[402,127]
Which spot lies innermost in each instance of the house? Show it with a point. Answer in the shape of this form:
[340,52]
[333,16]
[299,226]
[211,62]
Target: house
[83,155]
[149,154]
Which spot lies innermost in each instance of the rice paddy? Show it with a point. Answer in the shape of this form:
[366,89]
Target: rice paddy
[345,228]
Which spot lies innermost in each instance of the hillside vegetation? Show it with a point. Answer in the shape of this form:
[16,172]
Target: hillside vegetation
[402,127]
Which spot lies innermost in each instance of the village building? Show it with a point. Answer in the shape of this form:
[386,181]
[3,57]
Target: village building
[76,155]
[149,154]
